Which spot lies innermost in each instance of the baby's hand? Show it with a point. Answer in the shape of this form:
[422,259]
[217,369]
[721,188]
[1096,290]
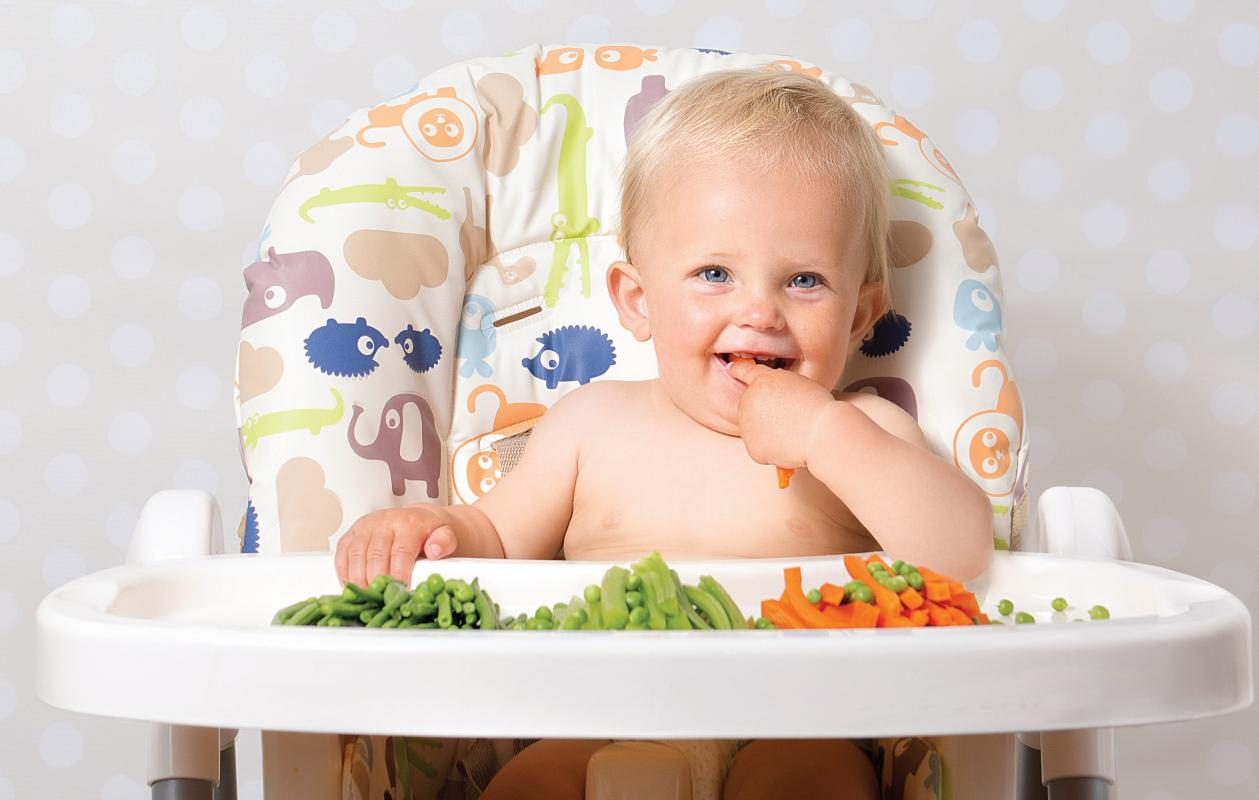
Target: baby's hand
[777,412]
[390,541]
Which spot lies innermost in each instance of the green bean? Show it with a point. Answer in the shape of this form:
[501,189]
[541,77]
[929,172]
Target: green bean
[395,600]
[409,622]
[344,609]
[379,583]
[306,615]
[366,616]
[464,593]
[390,623]
[572,622]
[612,598]
[334,622]
[322,623]
[468,607]
[654,569]
[361,595]
[1005,608]
[444,617]
[710,585]
[634,626]
[1099,612]
[1059,604]
[595,623]
[486,610]
[422,594]
[431,625]
[1024,618]
[470,620]
[692,617]
[709,606]
[283,614]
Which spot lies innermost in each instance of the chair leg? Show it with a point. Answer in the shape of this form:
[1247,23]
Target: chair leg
[1078,764]
[225,789]
[1028,785]
[182,789]
[1079,789]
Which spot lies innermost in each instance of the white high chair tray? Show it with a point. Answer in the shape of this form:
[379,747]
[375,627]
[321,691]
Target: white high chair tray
[189,642]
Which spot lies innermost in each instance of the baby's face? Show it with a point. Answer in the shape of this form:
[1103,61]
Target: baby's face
[734,262]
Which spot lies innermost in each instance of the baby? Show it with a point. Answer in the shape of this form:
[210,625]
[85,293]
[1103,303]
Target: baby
[754,224]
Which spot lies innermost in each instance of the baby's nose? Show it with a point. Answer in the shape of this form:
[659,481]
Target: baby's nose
[760,313]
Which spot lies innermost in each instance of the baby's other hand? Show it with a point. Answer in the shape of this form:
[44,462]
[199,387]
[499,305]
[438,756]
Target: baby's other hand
[777,412]
[390,541]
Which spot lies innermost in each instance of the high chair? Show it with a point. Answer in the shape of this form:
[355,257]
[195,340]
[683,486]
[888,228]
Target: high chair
[429,282]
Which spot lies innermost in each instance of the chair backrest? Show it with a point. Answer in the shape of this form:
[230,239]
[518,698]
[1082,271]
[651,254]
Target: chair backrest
[431,279]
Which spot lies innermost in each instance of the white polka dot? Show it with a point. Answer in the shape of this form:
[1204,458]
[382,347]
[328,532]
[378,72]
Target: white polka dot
[1171,90]
[1104,312]
[979,41]
[266,164]
[132,257]
[912,85]
[1162,538]
[914,9]
[1169,181]
[10,521]
[200,298]
[391,76]
[1109,482]
[266,75]
[1172,10]
[462,32]
[1107,133]
[61,565]
[193,473]
[201,118]
[334,31]
[1234,575]
[1109,43]
[1044,445]
[1232,492]
[201,209]
[69,206]
[198,387]
[721,33]
[130,433]
[68,385]
[1239,44]
[589,28]
[69,296]
[131,345]
[1106,225]
[1167,272]
[328,115]
[1236,226]
[72,25]
[12,70]
[8,698]
[1233,404]
[10,431]
[1040,177]
[203,28]
[132,161]
[123,787]
[120,524]
[12,254]
[850,40]
[61,745]
[781,8]
[1035,359]
[66,474]
[652,8]
[1164,449]
[977,130]
[1237,134]
[1234,316]
[12,343]
[12,160]
[1166,361]
[8,610]
[1102,401]
[1037,270]
[70,115]
[1043,10]
[1041,88]
[134,73]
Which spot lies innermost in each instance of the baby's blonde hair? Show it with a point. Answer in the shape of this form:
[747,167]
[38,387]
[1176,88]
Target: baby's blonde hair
[771,120]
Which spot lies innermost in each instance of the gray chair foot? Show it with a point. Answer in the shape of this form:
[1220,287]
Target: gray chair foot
[1027,768]
[226,787]
[183,789]
[1079,789]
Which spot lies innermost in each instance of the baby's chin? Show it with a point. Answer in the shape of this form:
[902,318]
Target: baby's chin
[703,413]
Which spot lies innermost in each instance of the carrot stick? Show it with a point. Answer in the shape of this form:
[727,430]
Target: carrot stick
[960,617]
[864,615]
[780,614]
[888,603]
[939,615]
[911,599]
[919,617]
[937,591]
[800,604]
[832,594]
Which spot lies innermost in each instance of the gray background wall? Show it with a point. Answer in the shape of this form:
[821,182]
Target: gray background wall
[1113,149]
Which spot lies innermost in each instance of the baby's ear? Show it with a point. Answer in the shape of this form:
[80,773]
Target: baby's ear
[625,287]
[871,306]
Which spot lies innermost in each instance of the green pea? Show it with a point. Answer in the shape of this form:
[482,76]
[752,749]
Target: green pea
[851,587]
[1005,607]
[634,599]
[763,623]
[435,583]
[634,583]
[897,566]
[579,614]
[898,584]
[543,613]
[863,594]
[1024,618]
[639,615]
[1099,612]
[593,594]
[572,623]
[814,596]
[1059,604]
[914,579]
[876,567]
[468,608]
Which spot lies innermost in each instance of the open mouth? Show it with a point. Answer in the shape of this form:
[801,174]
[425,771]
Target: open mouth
[774,362]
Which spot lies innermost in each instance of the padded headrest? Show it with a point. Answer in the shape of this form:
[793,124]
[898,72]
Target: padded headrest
[431,279]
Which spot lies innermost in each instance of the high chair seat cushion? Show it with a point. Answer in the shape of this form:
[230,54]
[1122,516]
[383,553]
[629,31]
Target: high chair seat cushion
[431,279]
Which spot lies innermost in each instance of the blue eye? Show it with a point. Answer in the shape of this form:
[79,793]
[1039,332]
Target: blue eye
[812,281]
[720,277]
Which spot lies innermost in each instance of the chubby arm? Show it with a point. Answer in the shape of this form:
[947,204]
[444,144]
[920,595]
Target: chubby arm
[918,506]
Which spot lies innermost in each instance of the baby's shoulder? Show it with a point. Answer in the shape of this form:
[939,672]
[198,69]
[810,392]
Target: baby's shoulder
[595,400]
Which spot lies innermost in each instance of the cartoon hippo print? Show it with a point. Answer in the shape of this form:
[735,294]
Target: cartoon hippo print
[277,283]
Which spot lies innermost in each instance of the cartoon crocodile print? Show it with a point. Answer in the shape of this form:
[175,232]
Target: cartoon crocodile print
[295,419]
[901,187]
[389,193]
[572,221]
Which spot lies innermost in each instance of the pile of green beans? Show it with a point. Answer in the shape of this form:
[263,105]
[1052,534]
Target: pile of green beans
[1059,604]
[435,603]
[648,596]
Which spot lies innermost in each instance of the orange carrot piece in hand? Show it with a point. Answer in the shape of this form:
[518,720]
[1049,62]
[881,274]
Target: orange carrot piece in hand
[784,476]
[780,614]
